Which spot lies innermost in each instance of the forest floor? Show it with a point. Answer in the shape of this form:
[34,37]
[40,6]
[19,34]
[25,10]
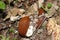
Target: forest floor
[8,27]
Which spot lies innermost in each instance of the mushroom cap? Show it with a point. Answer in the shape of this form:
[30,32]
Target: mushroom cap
[23,25]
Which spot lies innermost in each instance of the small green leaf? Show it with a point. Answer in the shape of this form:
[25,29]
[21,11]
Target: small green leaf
[2,5]
[11,30]
[49,5]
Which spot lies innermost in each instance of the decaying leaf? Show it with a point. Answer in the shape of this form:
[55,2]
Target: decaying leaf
[53,28]
[14,12]
[32,9]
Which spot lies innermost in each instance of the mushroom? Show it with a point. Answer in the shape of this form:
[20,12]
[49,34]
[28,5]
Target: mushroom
[28,24]
[25,27]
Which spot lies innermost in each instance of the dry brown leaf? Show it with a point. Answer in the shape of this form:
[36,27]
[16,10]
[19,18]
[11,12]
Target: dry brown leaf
[13,12]
[53,28]
[32,9]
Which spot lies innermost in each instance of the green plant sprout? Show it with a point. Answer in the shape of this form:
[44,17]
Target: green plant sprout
[47,7]
[2,5]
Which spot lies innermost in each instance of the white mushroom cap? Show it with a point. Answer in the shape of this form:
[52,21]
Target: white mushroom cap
[30,31]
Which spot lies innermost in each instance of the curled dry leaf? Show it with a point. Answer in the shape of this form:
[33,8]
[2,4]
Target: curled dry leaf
[14,12]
